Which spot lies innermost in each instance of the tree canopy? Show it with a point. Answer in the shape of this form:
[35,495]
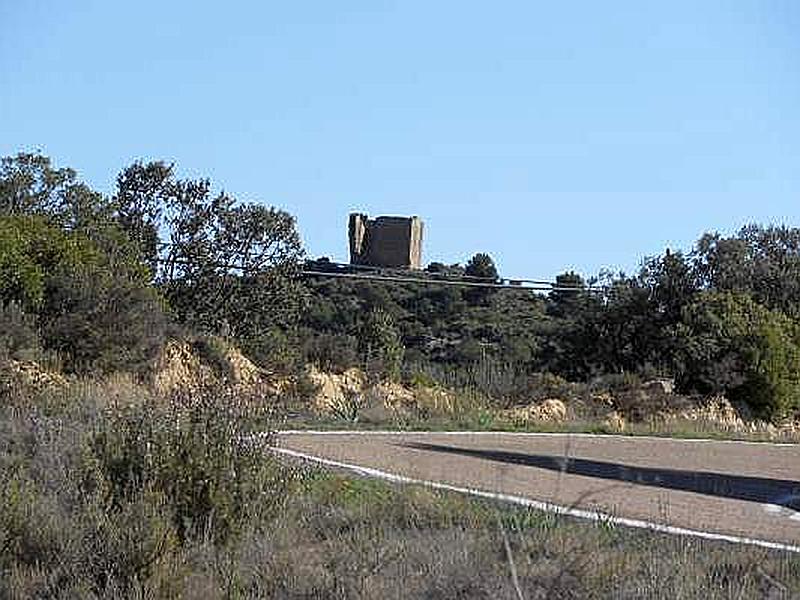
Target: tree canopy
[720,318]
[101,280]
[102,275]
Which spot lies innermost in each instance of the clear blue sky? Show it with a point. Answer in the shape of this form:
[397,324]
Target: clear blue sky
[552,135]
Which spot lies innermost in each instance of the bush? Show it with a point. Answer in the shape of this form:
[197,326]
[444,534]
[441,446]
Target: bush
[275,349]
[96,312]
[214,351]
[120,502]
[31,251]
[109,501]
[381,345]
[102,322]
[18,337]
[194,451]
[729,343]
[331,352]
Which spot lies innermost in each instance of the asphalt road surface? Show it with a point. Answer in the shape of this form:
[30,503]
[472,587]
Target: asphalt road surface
[735,489]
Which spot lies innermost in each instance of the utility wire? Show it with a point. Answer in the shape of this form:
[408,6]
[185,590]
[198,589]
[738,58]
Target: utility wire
[440,275]
[532,285]
[428,281]
[514,282]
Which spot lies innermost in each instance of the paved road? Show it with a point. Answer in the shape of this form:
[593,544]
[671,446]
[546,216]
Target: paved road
[737,489]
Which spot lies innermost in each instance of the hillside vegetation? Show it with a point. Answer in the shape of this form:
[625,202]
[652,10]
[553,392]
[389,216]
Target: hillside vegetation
[94,284]
[721,319]
[110,489]
[149,338]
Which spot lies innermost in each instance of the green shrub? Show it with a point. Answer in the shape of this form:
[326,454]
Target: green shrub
[331,352]
[421,379]
[31,251]
[275,349]
[18,337]
[381,345]
[729,343]
[102,322]
[214,351]
[95,311]
[194,450]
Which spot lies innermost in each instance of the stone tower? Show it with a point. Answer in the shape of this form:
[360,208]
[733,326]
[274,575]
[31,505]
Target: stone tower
[385,241]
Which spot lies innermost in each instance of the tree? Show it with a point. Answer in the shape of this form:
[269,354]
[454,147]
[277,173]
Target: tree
[233,264]
[224,265]
[731,344]
[624,332]
[672,284]
[762,261]
[441,269]
[568,295]
[95,314]
[32,251]
[481,266]
[73,257]
[30,185]
[481,269]
[381,346]
[143,193]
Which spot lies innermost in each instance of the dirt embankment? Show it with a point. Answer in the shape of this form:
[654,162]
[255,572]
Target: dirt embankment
[650,406]
[653,405]
[28,376]
[350,395]
[184,365]
[180,366]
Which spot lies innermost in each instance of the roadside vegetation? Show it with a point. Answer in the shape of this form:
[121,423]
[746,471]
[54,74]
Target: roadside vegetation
[110,491]
[719,320]
[92,284]
[491,398]
[150,336]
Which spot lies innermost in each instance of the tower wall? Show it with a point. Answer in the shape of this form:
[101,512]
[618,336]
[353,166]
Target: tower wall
[386,241]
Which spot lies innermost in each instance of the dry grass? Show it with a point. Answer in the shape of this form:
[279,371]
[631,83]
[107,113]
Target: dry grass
[630,409]
[107,492]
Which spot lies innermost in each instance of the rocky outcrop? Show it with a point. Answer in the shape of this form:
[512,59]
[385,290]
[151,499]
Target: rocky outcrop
[180,367]
[395,396]
[28,377]
[335,390]
[550,410]
[614,422]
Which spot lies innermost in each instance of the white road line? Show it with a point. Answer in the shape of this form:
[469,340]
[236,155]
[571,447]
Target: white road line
[536,504]
[533,434]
